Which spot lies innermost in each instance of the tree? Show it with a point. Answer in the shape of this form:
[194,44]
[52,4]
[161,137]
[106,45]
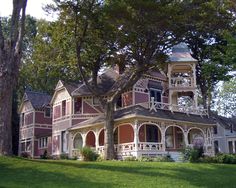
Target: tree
[209,46]
[226,104]
[133,34]
[10,58]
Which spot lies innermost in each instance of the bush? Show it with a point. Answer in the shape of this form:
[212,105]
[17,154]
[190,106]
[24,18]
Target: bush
[220,158]
[25,155]
[130,158]
[192,154]
[165,158]
[64,156]
[45,155]
[88,154]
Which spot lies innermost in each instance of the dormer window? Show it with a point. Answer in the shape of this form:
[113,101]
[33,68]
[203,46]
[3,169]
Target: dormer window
[63,108]
[47,112]
[78,105]
[156,94]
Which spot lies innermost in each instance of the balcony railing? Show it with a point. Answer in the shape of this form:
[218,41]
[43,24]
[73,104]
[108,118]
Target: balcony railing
[177,108]
[182,82]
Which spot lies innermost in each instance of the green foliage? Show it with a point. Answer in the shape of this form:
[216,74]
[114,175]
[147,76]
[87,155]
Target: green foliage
[25,155]
[164,158]
[64,156]
[45,155]
[88,154]
[192,154]
[130,158]
[226,104]
[220,158]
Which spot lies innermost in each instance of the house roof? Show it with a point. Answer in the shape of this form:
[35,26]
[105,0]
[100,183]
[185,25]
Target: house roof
[38,99]
[224,121]
[105,81]
[141,111]
[181,53]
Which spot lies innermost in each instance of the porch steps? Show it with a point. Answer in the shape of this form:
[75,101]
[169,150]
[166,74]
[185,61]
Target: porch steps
[176,156]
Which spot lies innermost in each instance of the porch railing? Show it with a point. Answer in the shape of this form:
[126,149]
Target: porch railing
[182,82]
[177,108]
[150,146]
[125,147]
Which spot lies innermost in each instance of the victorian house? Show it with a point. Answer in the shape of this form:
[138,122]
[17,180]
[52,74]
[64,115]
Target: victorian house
[158,115]
[35,124]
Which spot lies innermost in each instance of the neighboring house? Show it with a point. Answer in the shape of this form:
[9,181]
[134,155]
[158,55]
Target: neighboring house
[224,135]
[158,115]
[35,124]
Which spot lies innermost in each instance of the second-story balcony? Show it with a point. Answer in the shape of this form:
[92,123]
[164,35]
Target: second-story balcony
[153,105]
[182,82]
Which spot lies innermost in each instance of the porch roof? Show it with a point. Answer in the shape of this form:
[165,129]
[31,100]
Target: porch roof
[139,111]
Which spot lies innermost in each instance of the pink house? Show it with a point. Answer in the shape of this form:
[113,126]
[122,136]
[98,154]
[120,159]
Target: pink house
[158,115]
[35,124]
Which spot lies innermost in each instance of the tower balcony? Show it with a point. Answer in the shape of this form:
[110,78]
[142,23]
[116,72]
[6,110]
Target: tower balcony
[182,82]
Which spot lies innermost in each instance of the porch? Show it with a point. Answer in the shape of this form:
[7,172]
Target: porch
[145,139]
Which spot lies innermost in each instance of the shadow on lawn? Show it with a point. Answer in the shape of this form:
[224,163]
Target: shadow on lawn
[201,176]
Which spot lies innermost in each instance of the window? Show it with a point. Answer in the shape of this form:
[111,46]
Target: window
[78,105]
[216,146]
[96,101]
[231,128]
[230,143]
[215,130]
[63,110]
[152,133]
[156,94]
[43,142]
[119,102]
[47,112]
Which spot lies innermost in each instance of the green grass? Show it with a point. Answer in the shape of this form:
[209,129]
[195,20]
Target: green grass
[15,172]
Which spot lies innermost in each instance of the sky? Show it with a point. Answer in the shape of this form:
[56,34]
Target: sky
[34,8]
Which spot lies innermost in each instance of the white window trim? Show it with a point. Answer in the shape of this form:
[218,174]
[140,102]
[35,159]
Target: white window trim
[43,147]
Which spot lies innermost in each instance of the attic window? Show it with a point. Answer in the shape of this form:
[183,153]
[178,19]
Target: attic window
[78,105]
[63,110]
[95,101]
[47,112]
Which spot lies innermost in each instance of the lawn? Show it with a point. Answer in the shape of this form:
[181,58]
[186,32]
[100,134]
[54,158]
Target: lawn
[15,172]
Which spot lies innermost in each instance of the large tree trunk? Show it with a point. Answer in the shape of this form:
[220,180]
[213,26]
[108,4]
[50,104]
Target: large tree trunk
[5,117]
[109,126]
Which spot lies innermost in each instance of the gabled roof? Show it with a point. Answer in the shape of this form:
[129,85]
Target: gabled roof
[181,53]
[139,111]
[224,121]
[105,81]
[39,100]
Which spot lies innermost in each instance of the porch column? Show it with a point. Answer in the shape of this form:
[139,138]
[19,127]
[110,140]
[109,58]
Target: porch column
[136,137]
[186,138]
[84,139]
[97,140]
[163,137]
[70,144]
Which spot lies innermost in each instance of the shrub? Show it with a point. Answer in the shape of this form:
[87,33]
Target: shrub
[63,156]
[88,154]
[45,155]
[193,154]
[25,155]
[130,158]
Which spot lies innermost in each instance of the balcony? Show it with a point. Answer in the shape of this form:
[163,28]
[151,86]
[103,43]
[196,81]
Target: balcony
[177,108]
[181,82]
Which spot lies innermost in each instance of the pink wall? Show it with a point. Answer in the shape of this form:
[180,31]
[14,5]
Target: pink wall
[165,99]
[88,109]
[29,118]
[141,97]
[68,108]
[57,111]
[40,119]
[40,132]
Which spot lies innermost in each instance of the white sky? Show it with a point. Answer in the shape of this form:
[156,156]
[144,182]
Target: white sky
[34,8]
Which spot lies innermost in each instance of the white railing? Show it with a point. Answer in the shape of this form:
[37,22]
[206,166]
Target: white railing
[100,150]
[75,153]
[182,82]
[124,147]
[150,146]
[177,108]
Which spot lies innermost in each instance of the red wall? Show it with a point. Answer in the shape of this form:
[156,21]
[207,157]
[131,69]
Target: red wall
[87,109]
[90,139]
[126,134]
[142,134]
[101,138]
[40,119]
[40,132]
